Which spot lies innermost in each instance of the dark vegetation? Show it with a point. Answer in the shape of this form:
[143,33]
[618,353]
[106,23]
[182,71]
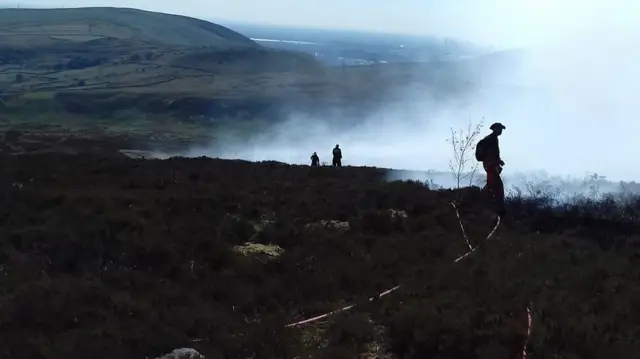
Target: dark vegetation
[109,257]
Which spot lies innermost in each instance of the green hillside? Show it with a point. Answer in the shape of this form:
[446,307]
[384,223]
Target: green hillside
[124,52]
[36,27]
[133,70]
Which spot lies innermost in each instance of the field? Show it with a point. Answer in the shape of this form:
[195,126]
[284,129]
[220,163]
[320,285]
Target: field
[106,256]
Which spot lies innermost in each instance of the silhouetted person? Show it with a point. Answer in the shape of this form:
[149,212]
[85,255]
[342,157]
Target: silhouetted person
[488,151]
[337,156]
[315,160]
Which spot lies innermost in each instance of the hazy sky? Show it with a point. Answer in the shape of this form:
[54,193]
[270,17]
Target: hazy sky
[497,22]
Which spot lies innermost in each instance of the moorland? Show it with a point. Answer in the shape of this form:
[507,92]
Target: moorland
[108,256]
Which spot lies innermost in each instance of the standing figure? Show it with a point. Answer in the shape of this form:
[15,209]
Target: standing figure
[337,156]
[315,160]
[488,152]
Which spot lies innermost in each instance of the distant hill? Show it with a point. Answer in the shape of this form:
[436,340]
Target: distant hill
[500,67]
[40,27]
[499,59]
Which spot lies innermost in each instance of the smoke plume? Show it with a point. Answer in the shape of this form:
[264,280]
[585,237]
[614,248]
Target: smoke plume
[565,93]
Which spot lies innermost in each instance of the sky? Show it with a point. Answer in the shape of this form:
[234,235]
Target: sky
[504,23]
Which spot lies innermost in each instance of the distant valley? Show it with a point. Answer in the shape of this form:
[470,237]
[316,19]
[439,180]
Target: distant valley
[350,48]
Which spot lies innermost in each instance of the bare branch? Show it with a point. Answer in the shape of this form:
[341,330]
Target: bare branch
[463,143]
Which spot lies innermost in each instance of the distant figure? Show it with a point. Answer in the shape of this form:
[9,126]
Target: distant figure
[315,160]
[337,156]
[488,152]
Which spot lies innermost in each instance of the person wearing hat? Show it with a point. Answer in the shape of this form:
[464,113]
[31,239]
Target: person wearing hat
[488,151]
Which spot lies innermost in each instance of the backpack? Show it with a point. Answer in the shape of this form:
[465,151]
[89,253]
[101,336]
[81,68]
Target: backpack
[481,150]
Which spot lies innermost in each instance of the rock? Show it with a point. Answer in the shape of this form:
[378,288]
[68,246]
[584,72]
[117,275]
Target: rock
[329,224]
[270,250]
[396,213]
[183,353]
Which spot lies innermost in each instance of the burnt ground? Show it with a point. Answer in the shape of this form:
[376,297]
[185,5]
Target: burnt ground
[104,256]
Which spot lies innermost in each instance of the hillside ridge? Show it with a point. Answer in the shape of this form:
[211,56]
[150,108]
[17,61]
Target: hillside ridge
[117,22]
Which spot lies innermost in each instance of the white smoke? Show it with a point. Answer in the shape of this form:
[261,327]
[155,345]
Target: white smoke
[567,97]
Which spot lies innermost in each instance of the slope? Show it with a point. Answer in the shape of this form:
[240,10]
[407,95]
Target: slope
[130,65]
[108,257]
[36,27]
